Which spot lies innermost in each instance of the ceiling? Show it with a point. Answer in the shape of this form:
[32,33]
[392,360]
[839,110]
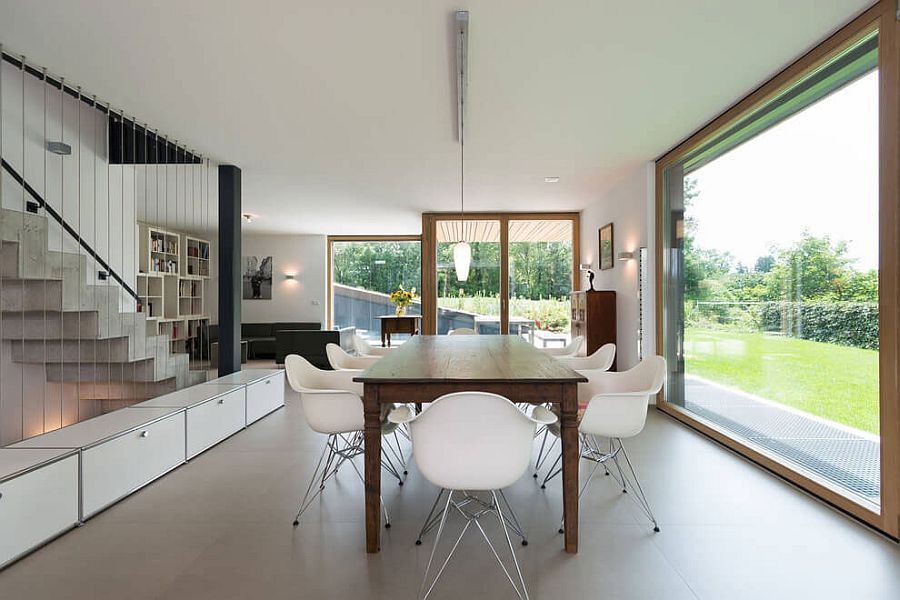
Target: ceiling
[342,114]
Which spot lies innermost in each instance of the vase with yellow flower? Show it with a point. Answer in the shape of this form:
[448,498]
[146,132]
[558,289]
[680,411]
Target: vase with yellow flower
[402,299]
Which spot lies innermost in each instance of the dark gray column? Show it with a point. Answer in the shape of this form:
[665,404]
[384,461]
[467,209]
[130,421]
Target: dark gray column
[229,269]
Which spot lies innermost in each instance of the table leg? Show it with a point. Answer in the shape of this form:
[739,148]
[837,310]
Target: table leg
[372,433]
[570,459]
[382,336]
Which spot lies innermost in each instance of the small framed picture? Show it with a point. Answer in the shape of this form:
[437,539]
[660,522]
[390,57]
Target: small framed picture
[606,247]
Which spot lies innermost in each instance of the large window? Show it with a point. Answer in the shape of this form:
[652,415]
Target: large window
[770,261]
[364,272]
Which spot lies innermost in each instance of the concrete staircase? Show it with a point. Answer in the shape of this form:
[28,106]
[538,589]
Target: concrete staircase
[51,316]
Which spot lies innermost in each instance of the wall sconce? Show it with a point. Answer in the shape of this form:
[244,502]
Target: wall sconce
[626,255]
[290,276]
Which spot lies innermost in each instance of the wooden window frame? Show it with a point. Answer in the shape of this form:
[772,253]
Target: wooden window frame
[884,17]
[429,257]
[329,308]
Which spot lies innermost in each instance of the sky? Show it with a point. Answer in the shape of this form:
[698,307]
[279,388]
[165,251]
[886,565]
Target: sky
[817,171]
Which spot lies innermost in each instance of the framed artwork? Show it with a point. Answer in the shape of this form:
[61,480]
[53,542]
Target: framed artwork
[256,278]
[607,260]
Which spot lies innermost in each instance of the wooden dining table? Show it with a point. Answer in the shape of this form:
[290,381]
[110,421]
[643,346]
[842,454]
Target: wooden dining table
[426,367]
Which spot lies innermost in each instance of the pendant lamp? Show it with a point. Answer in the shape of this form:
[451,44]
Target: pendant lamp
[462,251]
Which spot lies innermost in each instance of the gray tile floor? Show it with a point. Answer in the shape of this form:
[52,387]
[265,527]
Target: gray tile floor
[220,528]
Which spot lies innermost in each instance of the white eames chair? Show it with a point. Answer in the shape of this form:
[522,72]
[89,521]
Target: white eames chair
[616,410]
[462,331]
[471,442]
[341,360]
[332,404]
[602,359]
[570,350]
[364,348]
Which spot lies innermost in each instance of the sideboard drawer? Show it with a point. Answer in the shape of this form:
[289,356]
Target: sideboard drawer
[264,396]
[37,506]
[113,469]
[213,421]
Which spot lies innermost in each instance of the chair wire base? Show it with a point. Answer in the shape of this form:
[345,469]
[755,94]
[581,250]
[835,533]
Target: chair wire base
[472,510]
[342,448]
[434,516]
[626,478]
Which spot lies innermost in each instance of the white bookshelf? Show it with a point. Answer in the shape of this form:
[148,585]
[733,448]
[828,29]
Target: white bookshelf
[174,269]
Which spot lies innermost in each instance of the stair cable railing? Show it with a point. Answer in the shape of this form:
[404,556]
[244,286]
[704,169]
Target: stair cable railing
[51,212]
[76,315]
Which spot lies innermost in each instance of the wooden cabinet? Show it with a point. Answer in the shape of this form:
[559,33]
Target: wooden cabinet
[594,317]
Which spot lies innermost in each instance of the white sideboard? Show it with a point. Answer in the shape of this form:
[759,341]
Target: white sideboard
[51,482]
[121,452]
[265,390]
[213,413]
[38,498]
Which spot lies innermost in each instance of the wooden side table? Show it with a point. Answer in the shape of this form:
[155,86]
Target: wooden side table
[396,324]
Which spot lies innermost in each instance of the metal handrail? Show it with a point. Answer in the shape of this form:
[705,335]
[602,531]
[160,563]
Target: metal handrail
[68,229]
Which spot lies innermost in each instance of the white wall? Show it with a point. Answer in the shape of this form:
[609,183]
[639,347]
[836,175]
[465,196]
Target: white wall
[303,299]
[629,207]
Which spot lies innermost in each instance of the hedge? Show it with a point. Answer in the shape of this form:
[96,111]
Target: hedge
[844,323]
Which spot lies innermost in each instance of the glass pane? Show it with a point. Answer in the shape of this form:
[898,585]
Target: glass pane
[475,302]
[540,281]
[364,274]
[771,288]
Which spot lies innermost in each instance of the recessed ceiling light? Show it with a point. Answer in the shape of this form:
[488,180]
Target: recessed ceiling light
[551,179]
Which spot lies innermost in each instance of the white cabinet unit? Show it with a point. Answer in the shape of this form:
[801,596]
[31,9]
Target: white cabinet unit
[122,451]
[265,390]
[38,498]
[213,413]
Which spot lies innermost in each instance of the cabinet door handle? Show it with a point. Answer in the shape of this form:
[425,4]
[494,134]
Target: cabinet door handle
[145,434]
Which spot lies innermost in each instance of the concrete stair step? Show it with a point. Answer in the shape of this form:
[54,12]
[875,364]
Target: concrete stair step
[124,391]
[52,325]
[30,294]
[88,350]
[137,371]
[28,232]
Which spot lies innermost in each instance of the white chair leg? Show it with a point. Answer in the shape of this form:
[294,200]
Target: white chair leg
[631,480]
[432,519]
[437,540]
[522,592]
[303,501]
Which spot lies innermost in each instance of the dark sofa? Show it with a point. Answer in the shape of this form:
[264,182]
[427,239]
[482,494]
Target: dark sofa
[260,337]
[311,344]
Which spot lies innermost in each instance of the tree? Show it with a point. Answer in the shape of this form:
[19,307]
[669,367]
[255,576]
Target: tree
[810,269]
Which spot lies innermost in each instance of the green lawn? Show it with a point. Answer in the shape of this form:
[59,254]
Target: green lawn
[834,382]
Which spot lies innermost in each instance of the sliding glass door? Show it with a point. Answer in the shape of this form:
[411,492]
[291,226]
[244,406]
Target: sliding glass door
[475,302]
[519,281]
[540,280]
[770,321]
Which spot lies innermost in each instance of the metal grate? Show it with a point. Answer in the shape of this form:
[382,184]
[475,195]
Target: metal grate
[848,459]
